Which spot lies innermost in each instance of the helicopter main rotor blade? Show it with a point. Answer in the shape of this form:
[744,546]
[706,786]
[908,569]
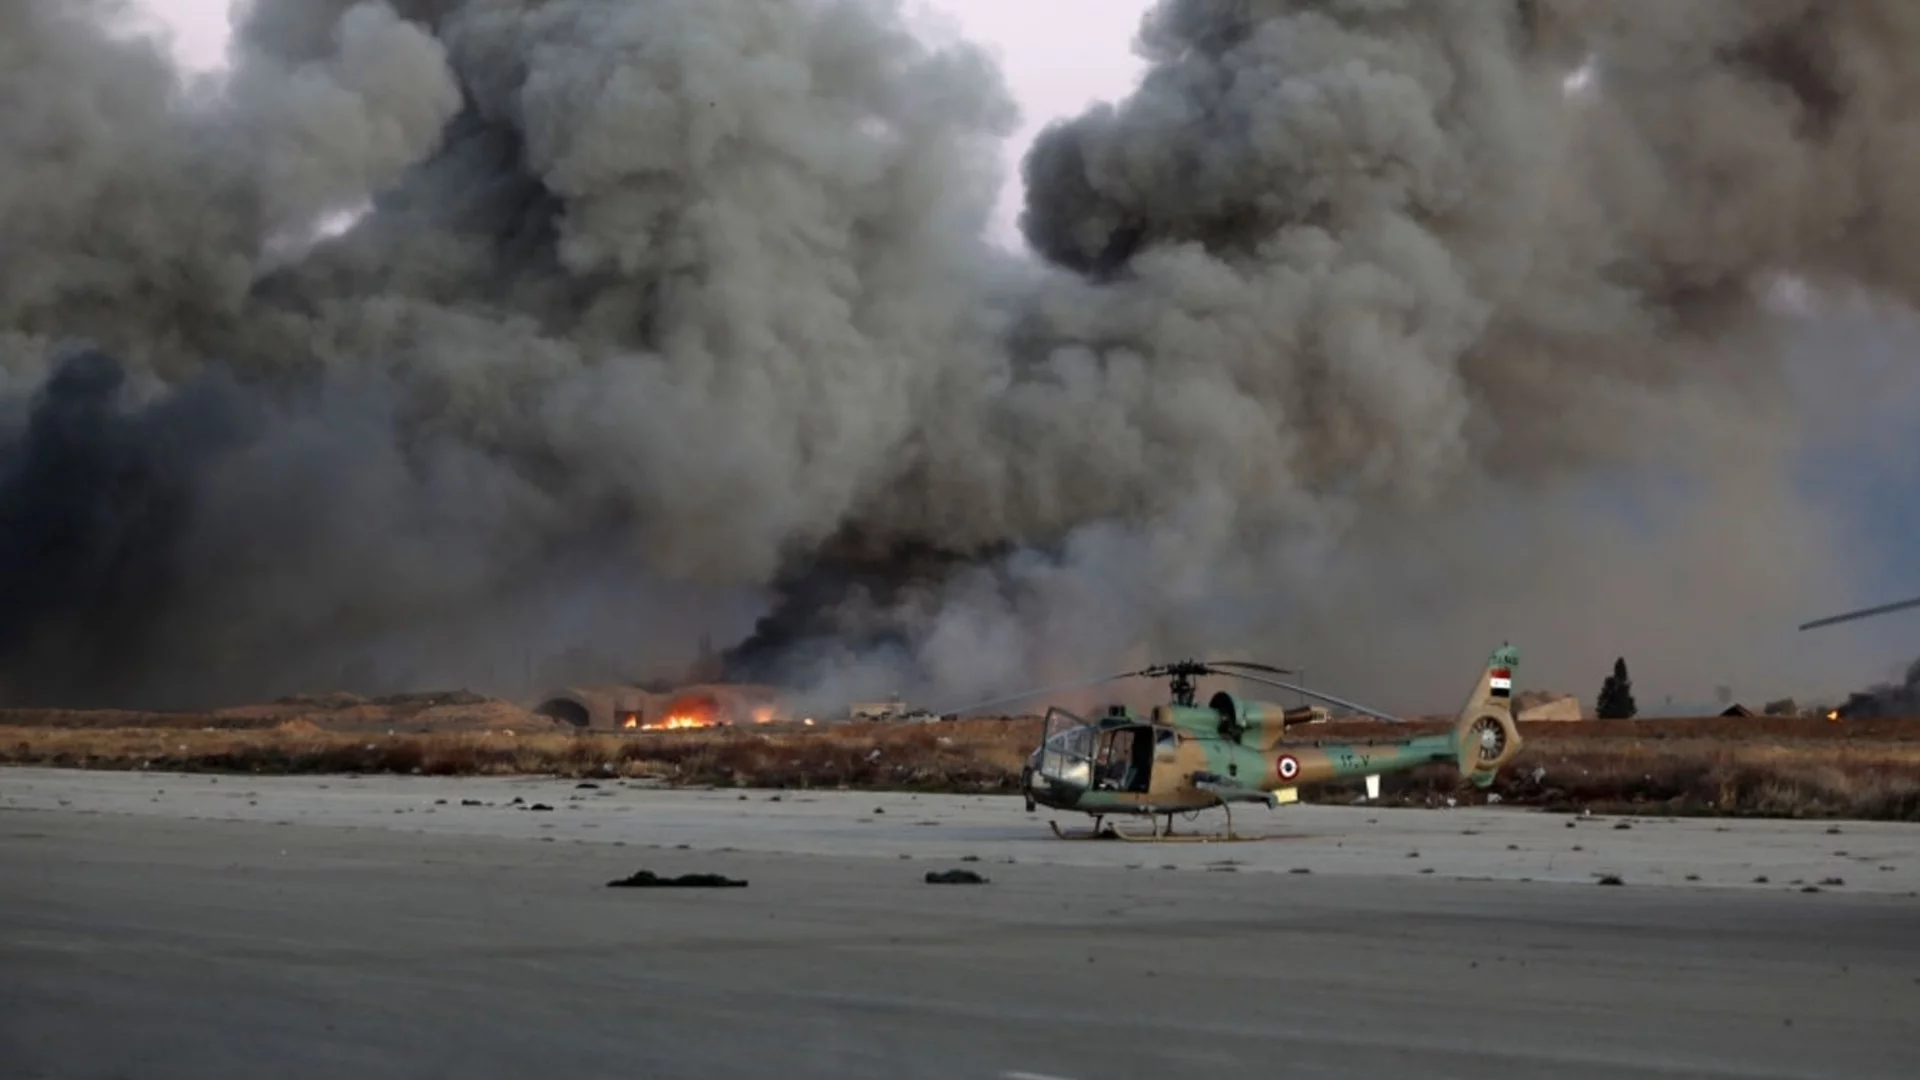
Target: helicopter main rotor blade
[1863,613]
[1055,689]
[1328,698]
[1255,665]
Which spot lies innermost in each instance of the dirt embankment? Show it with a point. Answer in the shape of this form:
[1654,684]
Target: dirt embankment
[969,756]
[1774,767]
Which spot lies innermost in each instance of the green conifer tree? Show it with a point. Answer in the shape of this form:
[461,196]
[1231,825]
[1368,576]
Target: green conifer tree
[1616,694]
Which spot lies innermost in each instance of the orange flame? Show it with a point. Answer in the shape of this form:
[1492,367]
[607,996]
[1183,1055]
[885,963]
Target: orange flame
[677,722]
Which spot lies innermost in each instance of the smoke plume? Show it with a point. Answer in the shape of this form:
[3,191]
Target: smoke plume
[1885,699]
[1349,327]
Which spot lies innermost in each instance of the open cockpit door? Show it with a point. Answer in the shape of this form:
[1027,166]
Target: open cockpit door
[1123,758]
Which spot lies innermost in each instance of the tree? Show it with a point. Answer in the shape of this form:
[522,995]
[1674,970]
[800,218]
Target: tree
[1616,694]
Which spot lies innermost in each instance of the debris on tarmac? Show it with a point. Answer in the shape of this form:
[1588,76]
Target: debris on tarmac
[647,879]
[954,877]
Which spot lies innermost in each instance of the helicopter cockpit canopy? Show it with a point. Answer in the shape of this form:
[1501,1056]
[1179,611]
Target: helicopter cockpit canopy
[1114,753]
[1065,757]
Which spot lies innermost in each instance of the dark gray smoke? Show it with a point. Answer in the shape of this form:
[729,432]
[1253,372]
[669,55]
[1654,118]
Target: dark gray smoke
[664,310]
[96,500]
[1885,699]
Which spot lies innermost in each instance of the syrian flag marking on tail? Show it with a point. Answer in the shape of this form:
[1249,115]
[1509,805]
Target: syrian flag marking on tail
[1501,682]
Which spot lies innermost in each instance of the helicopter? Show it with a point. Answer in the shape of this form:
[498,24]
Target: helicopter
[1183,757]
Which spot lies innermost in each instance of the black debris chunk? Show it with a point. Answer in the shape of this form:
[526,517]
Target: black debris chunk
[647,879]
[954,877]
[469,802]
[1611,879]
[539,806]
[586,784]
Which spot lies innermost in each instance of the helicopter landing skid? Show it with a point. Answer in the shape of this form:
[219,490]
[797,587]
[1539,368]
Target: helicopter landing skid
[1095,833]
[1159,835]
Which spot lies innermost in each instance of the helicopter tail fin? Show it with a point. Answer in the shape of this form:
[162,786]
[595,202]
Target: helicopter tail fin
[1485,736]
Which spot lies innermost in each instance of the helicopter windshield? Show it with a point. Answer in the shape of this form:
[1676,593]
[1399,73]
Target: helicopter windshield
[1066,752]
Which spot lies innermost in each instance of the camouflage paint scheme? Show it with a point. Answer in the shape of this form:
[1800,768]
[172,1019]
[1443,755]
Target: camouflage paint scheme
[1237,751]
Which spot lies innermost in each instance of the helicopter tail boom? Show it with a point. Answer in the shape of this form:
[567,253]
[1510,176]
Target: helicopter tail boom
[1485,738]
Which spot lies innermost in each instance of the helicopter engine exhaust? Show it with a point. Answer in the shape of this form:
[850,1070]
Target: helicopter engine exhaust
[1484,742]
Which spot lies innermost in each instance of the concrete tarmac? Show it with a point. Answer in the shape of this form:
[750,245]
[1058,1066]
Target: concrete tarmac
[244,927]
[1486,843]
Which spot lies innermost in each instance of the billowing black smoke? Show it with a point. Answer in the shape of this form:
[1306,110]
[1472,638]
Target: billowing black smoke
[851,604]
[96,498]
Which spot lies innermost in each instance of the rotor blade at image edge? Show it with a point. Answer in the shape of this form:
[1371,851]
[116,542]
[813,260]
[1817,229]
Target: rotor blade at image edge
[1863,613]
[1328,698]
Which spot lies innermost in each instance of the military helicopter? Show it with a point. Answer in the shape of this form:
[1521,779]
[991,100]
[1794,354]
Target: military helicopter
[1183,757]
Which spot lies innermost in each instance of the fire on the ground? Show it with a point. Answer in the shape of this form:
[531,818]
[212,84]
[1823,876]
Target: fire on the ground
[699,709]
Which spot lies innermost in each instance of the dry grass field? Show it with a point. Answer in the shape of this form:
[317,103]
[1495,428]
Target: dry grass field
[1768,766]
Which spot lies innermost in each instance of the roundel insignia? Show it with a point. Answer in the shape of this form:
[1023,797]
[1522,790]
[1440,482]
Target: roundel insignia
[1289,767]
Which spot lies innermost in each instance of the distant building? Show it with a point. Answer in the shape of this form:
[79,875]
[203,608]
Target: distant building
[631,708]
[891,709]
[1682,710]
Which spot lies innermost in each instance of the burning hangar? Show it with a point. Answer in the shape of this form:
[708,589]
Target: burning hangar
[632,708]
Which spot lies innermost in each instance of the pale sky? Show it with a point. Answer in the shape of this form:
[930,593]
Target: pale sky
[1059,56]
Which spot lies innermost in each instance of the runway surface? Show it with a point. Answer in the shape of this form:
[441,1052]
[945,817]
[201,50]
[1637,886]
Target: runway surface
[245,927]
